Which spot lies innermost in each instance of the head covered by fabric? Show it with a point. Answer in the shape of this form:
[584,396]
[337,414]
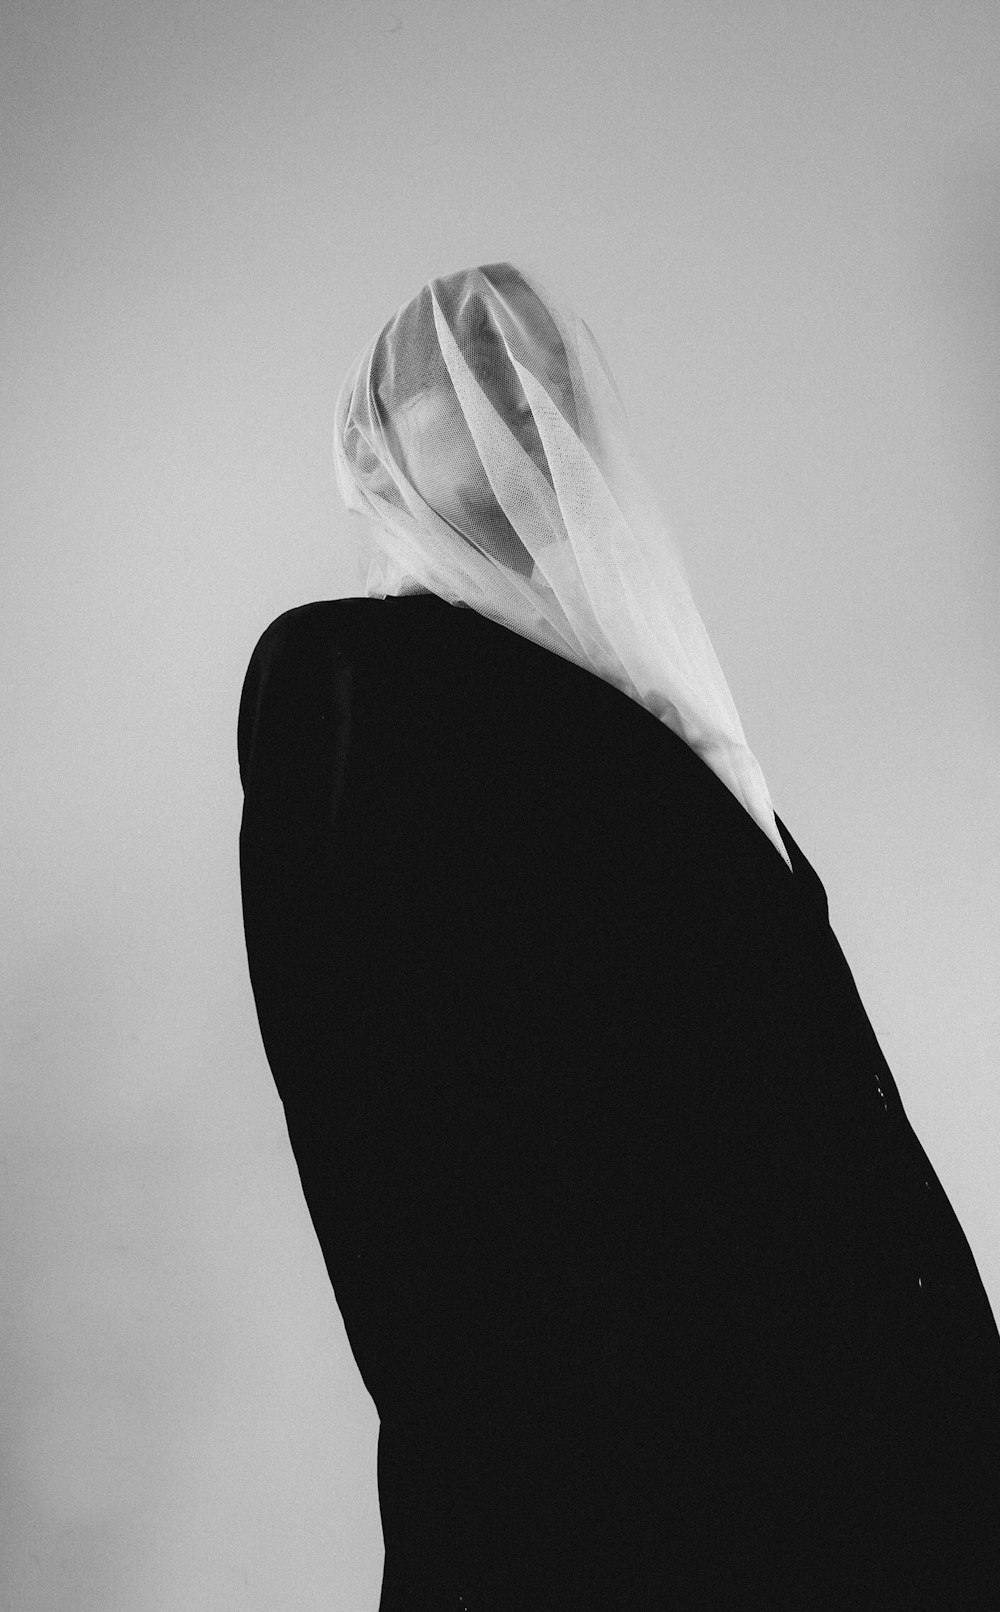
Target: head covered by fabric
[481,436]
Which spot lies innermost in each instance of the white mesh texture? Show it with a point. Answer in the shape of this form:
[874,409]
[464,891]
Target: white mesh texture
[481,437]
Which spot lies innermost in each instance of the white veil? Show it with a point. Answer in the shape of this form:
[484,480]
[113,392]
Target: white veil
[482,438]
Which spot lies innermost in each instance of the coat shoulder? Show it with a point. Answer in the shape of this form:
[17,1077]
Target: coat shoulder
[286,674]
[305,623]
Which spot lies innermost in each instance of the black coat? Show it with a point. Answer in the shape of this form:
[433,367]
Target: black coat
[657,1295]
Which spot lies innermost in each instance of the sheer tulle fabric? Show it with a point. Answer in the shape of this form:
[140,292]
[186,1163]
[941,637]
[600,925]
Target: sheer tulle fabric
[481,437]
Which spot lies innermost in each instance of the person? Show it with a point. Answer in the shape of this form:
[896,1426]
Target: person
[655,1290]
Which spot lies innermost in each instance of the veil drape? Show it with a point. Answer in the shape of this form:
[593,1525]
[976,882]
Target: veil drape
[483,441]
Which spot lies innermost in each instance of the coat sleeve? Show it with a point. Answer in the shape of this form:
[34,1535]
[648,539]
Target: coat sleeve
[294,744]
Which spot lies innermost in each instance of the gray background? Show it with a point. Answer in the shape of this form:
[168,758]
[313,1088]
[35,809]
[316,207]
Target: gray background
[782,222]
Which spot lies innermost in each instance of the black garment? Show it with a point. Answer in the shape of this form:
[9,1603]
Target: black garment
[655,1290]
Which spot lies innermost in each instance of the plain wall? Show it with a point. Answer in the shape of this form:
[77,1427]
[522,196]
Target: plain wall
[782,222]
